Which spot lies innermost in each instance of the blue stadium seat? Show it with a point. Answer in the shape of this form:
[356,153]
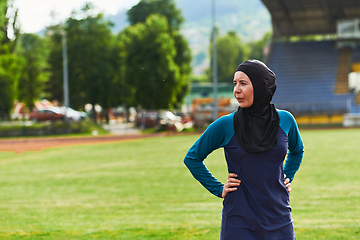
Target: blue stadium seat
[306,76]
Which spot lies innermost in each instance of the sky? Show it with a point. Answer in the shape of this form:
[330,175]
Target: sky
[34,15]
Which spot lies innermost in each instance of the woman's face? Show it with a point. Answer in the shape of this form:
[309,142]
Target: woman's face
[243,89]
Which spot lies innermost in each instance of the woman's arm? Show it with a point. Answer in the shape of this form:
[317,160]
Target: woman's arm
[213,138]
[296,147]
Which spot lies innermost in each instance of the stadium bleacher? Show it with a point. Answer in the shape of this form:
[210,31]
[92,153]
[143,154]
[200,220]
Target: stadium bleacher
[312,72]
[306,75]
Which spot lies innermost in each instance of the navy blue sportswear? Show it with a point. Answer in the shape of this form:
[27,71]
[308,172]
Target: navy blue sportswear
[259,208]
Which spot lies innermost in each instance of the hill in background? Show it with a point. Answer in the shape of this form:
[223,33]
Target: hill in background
[250,19]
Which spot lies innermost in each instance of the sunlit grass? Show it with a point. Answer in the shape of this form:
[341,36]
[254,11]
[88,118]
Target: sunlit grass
[142,190]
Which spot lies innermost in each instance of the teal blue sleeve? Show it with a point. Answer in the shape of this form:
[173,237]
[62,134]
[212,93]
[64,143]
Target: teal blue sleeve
[217,135]
[296,147]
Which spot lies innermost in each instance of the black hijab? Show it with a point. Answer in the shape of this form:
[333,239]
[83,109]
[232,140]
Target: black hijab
[256,127]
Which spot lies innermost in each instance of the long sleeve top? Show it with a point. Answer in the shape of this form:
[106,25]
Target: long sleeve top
[219,134]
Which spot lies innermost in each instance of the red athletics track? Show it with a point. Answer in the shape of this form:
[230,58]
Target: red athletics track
[40,143]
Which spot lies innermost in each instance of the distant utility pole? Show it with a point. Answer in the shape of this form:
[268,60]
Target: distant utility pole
[214,63]
[65,70]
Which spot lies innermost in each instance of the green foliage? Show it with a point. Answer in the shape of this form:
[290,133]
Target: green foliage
[149,62]
[257,47]
[54,87]
[10,69]
[182,59]
[231,51]
[199,78]
[155,49]
[102,69]
[8,22]
[109,71]
[10,63]
[88,55]
[89,44]
[6,98]
[140,12]
[3,6]
[34,74]
[87,127]
[323,37]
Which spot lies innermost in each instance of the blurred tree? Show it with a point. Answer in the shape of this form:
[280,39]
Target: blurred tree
[10,70]
[182,56]
[183,61]
[257,47]
[167,8]
[3,10]
[149,63]
[10,63]
[9,24]
[124,89]
[209,71]
[90,47]
[35,71]
[54,87]
[230,53]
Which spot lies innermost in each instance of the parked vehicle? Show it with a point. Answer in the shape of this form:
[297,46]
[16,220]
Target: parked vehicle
[73,114]
[162,119]
[147,119]
[40,115]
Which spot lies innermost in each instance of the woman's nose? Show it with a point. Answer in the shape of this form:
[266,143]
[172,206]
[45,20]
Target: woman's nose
[237,88]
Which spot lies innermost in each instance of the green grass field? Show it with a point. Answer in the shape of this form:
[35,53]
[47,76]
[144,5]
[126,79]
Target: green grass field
[142,190]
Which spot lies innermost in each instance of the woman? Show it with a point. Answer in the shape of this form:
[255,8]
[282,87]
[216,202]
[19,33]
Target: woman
[256,139]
